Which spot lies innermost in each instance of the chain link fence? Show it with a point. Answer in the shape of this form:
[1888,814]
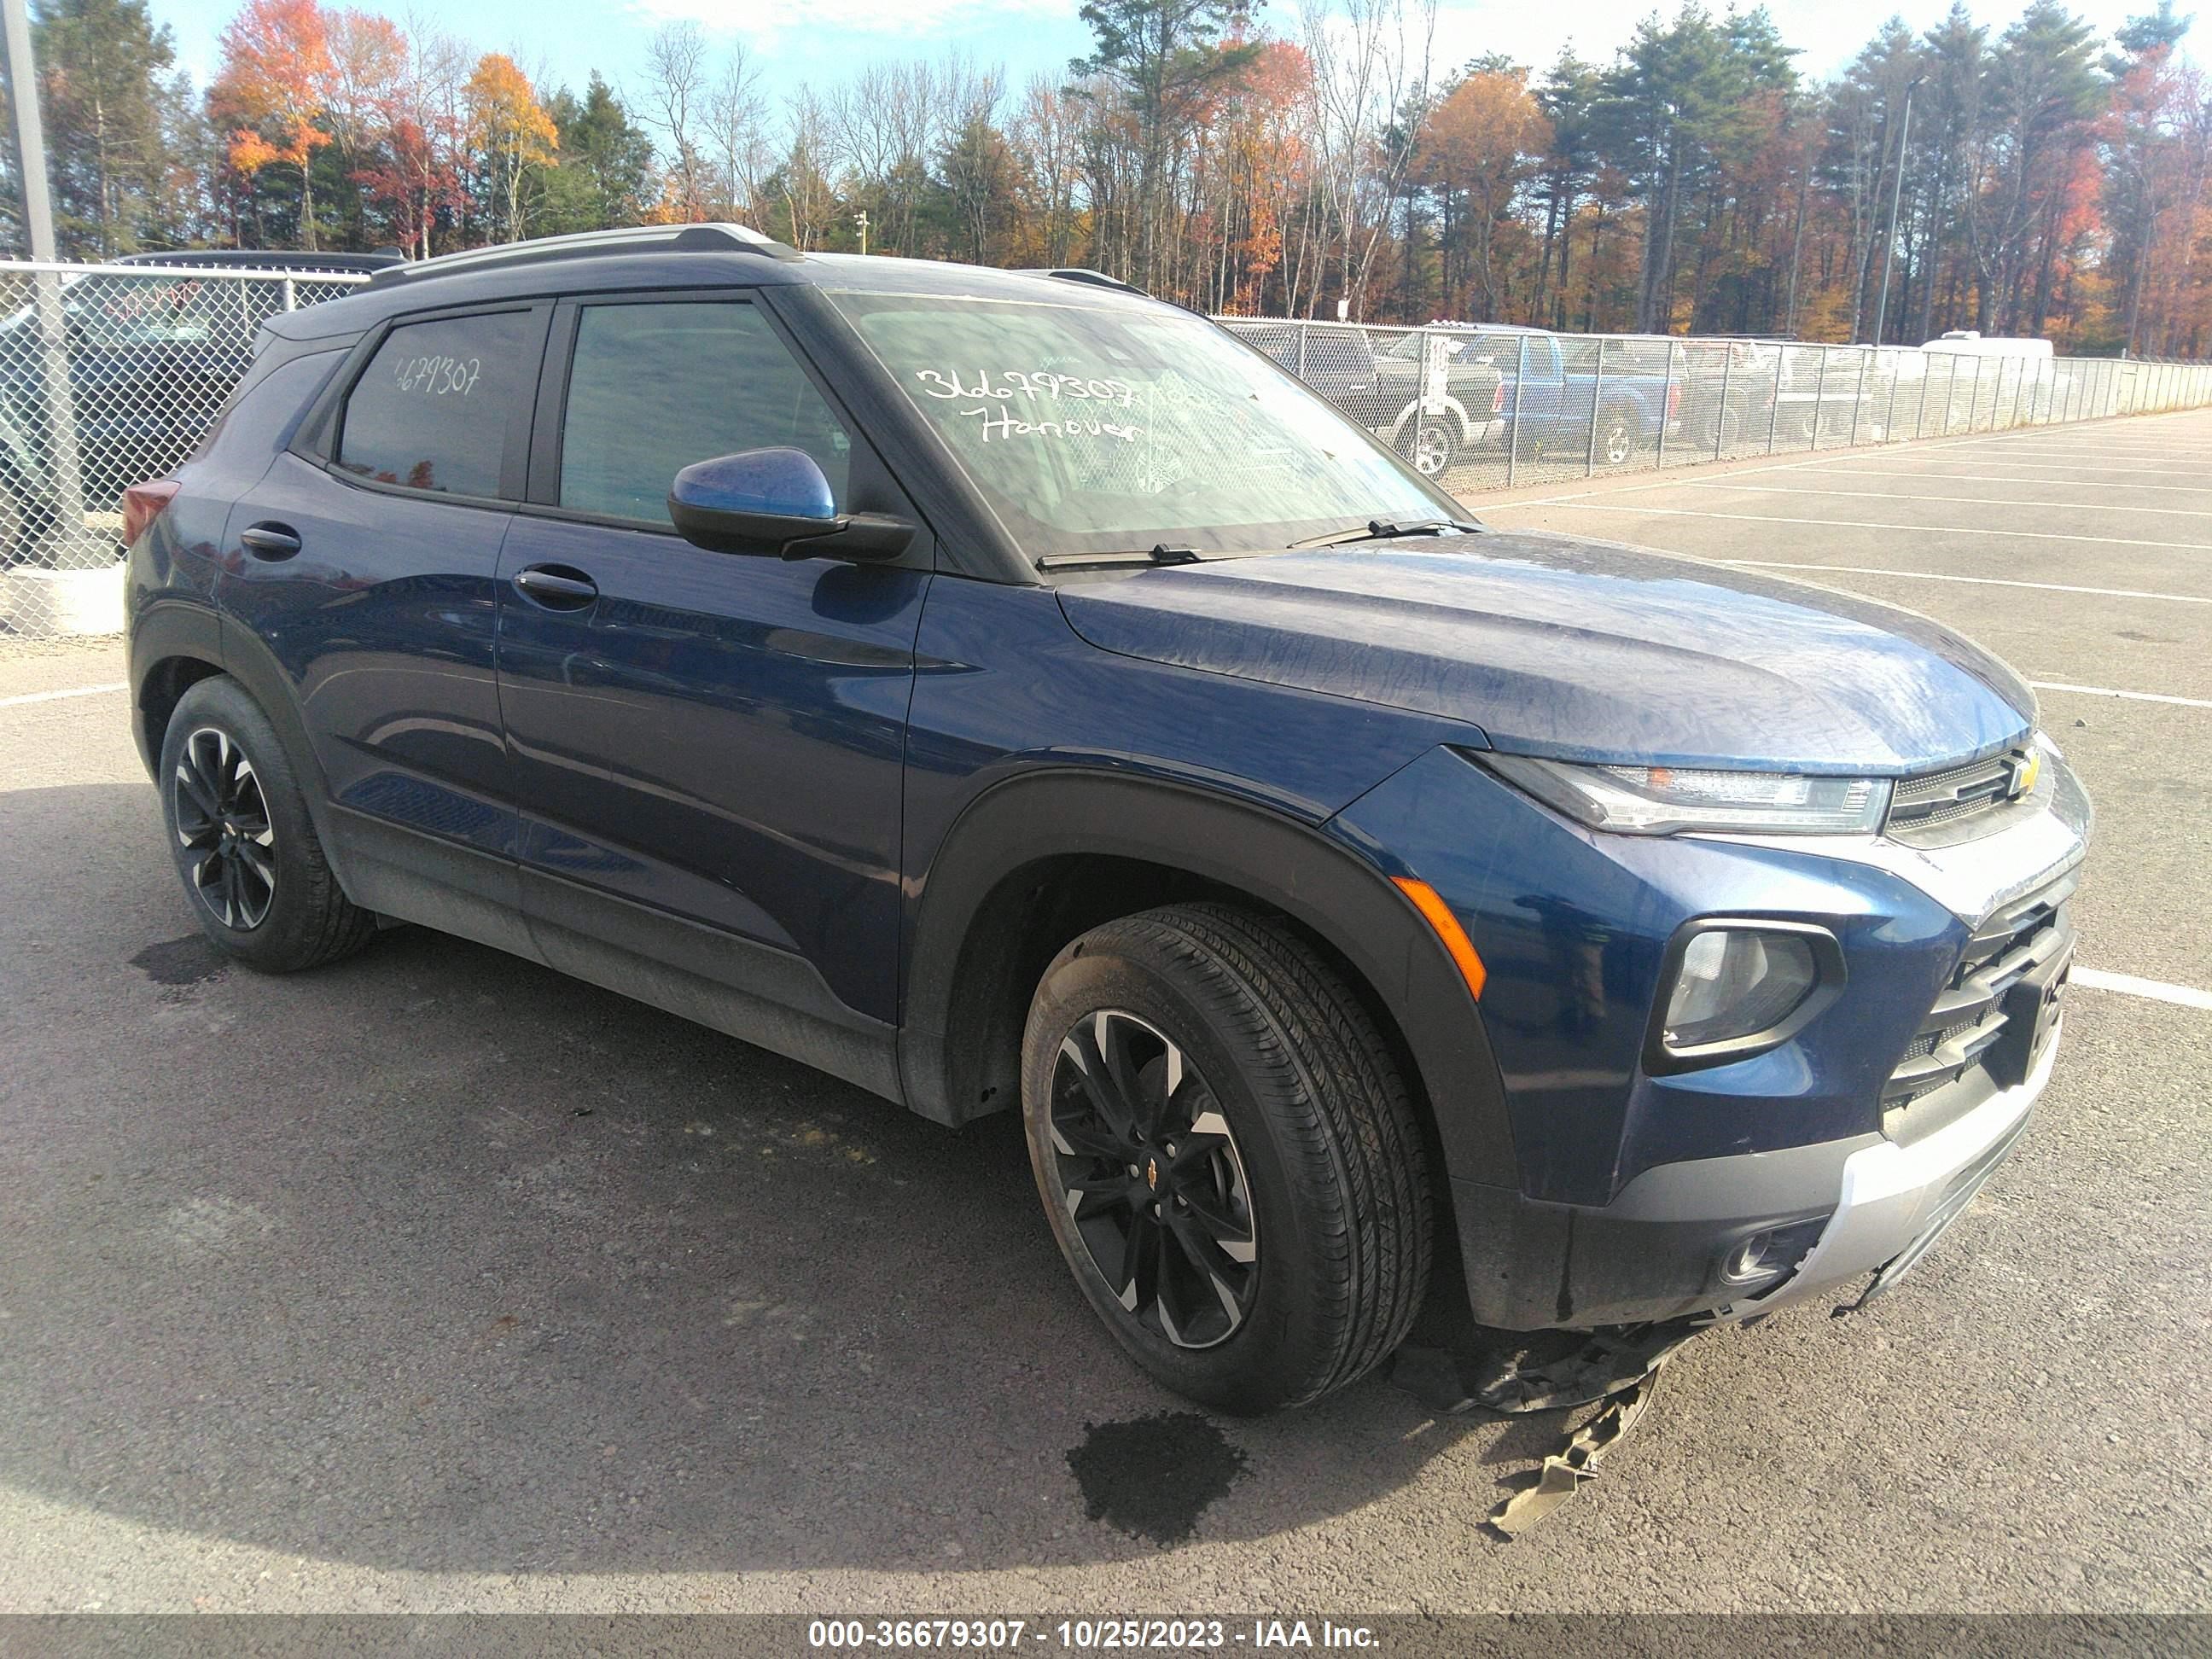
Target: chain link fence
[1482,407]
[110,375]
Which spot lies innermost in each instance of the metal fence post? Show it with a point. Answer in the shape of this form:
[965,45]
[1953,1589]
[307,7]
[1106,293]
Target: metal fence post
[1920,415]
[1974,396]
[1858,398]
[1513,430]
[1304,330]
[1720,415]
[1774,405]
[1889,413]
[291,295]
[1666,407]
[1597,396]
[1820,402]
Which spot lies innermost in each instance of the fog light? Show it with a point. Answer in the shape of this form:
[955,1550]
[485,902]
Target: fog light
[1747,1261]
[1732,989]
[1768,1256]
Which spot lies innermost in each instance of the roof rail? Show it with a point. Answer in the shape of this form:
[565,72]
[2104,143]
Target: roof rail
[1083,274]
[679,239]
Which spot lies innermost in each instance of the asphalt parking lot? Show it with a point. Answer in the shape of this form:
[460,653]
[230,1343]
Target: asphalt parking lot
[436,1281]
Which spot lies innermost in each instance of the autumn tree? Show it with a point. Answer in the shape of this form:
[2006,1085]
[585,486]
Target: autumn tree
[511,134]
[1482,145]
[271,91]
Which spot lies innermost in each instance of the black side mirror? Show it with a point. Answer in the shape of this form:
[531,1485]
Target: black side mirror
[776,502]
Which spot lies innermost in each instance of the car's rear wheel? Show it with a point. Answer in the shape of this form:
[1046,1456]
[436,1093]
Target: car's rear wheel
[1227,1154]
[244,845]
[1616,442]
[1428,444]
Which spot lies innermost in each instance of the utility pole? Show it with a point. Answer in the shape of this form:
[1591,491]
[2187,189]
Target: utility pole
[64,478]
[1896,197]
[860,219]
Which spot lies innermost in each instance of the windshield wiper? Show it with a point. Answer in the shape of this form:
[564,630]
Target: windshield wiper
[1379,530]
[1162,554]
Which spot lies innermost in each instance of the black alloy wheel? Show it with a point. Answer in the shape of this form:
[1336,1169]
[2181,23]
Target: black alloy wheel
[224,827]
[244,839]
[1227,1154]
[1153,1179]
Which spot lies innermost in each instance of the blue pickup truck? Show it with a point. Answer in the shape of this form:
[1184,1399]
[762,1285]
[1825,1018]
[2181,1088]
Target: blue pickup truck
[1560,381]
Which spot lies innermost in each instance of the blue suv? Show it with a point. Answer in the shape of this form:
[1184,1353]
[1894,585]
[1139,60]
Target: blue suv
[1008,692]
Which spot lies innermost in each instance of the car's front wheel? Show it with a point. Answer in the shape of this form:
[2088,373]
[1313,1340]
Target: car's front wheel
[1227,1154]
[244,843]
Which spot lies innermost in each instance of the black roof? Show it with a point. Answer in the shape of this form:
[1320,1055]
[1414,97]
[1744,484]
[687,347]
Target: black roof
[674,256]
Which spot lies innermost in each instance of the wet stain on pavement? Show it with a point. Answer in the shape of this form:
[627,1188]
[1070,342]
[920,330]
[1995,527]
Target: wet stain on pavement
[1153,1477]
[187,960]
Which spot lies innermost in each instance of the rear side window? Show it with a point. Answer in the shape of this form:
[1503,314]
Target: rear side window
[431,412]
[653,388]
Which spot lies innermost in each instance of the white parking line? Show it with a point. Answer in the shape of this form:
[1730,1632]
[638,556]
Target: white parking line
[2132,696]
[56,696]
[2185,996]
[1983,477]
[1974,581]
[1913,529]
[2042,465]
[1954,500]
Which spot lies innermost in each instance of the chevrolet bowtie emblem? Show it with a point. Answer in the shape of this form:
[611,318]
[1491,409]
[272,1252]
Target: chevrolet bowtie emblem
[1152,1174]
[2026,768]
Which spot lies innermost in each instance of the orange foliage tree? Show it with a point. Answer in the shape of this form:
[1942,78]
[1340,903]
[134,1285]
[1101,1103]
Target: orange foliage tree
[272,87]
[511,131]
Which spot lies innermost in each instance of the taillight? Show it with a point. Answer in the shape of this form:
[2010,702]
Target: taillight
[1498,399]
[142,504]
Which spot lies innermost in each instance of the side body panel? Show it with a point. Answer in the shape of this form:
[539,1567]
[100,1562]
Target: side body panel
[1027,743]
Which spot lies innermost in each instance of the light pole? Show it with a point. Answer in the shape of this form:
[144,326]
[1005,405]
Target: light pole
[1896,199]
[63,481]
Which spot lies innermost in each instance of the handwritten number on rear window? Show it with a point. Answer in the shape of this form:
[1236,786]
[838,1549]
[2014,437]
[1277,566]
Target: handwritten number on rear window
[439,377]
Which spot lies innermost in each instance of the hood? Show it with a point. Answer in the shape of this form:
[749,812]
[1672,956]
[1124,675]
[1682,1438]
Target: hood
[1579,650]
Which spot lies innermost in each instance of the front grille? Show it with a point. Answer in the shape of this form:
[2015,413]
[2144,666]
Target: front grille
[1936,799]
[1969,1017]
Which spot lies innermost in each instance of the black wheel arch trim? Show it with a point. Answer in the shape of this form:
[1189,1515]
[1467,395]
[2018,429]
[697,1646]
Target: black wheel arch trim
[1328,888]
[165,630]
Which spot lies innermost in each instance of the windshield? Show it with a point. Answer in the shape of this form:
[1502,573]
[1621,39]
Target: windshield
[1094,427]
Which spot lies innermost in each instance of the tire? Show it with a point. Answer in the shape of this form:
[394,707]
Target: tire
[1616,435]
[245,846]
[1288,1144]
[1429,444]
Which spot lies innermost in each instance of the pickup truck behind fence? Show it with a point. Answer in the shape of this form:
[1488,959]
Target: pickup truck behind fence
[1494,405]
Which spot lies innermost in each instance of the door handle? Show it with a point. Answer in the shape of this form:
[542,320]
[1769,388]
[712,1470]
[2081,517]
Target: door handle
[557,586]
[271,540]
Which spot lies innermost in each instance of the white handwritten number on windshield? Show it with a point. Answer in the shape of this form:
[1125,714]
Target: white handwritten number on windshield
[1016,383]
[439,377]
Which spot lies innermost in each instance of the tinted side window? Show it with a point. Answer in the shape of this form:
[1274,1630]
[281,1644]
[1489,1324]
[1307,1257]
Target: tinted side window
[652,388]
[432,409]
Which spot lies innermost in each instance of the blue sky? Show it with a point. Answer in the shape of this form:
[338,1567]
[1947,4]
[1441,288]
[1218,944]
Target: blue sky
[822,41]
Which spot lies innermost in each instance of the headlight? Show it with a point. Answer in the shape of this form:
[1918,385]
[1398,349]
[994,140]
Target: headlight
[1662,800]
[1735,988]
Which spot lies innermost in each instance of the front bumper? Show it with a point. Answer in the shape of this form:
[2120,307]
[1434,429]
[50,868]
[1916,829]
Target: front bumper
[1661,1249]
[1744,1186]
[1895,1202]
